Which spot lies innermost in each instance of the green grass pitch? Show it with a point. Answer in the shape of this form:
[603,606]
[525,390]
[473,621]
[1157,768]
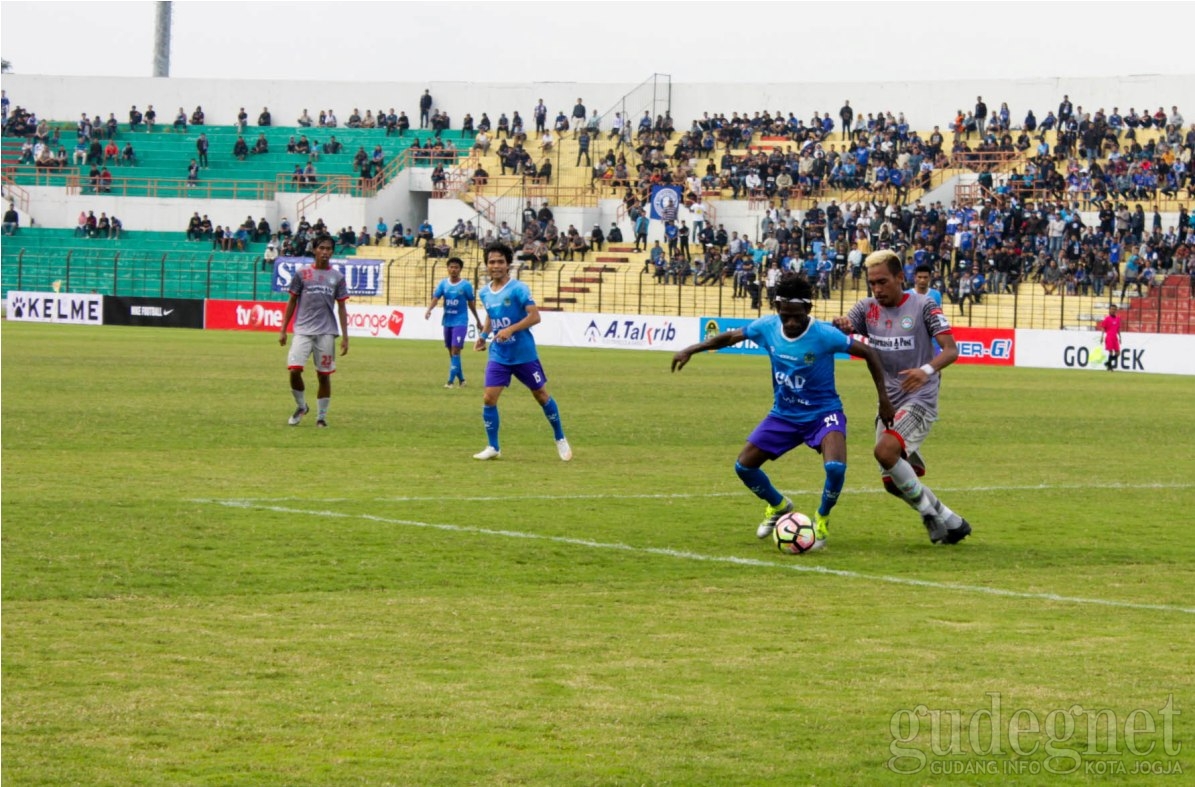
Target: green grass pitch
[196,593]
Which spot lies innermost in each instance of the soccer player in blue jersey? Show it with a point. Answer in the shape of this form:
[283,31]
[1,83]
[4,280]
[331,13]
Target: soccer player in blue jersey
[458,296]
[806,407]
[510,312]
[921,278]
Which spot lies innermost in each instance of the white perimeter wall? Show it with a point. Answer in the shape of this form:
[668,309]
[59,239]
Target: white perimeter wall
[924,103]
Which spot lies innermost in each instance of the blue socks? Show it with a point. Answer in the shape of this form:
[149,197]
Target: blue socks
[758,482]
[490,415]
[454,369]
[552,413]
[835,478]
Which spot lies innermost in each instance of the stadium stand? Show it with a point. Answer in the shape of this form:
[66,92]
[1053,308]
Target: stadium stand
[981,208]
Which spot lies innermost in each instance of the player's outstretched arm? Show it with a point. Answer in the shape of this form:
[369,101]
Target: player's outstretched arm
[844,324]
[858,349]
[725,339]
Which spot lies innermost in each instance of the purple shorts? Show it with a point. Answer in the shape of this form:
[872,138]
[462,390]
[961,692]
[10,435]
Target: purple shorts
[454,336]
[530,374]
[776,437]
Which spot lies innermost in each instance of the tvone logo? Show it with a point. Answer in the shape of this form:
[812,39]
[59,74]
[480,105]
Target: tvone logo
[258,316]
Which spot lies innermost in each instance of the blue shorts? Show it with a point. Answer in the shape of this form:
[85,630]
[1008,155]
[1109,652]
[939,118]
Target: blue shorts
[454,336]
[530,374]
[776,437]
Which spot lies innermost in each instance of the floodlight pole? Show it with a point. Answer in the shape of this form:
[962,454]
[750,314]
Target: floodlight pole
[162,40]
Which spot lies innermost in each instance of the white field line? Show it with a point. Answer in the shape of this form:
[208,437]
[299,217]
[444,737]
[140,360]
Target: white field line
[739,561]
[1112,485]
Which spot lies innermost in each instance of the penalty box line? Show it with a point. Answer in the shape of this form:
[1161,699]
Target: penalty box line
[738,561]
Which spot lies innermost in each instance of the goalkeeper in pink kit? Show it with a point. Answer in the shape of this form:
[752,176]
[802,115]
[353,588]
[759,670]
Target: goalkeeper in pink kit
[1110,327]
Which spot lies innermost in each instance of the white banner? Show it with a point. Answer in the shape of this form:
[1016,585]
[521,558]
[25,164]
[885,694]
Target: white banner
[557,329]
[64,307]
[1156,353]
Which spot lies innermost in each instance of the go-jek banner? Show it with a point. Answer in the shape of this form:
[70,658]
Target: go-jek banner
[362,277]
[1157,353]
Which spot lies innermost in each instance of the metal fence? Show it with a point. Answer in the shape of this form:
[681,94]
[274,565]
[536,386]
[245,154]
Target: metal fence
[573,286]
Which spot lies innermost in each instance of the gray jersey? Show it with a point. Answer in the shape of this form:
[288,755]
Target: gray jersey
[902,335]
[318,292]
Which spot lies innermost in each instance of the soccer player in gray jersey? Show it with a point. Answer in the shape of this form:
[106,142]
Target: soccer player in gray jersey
[317,299]
[902,327]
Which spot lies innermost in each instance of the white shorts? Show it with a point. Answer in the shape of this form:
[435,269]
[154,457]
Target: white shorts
[912,423]
[321,348]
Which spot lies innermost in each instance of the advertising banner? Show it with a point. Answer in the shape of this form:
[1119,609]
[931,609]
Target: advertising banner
[61,307]
[244,315]
[362,277]
[712,326]
[988,346]
[1155,353]
[160,312]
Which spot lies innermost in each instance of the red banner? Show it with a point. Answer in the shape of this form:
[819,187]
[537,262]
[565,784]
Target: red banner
[990,346]
[244,315]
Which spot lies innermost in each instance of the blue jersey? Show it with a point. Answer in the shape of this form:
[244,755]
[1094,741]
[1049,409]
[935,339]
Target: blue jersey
[802,368]
[457,298]
[932,294]
[506,307]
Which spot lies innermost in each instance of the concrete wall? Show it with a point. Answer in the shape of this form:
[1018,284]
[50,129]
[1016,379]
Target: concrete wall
[924,103]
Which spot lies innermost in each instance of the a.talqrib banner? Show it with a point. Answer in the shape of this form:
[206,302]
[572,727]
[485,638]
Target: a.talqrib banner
[156,312]
[362,277]
[61,307]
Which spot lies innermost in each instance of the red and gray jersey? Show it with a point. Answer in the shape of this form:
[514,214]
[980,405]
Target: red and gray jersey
[902,335]
[318,291]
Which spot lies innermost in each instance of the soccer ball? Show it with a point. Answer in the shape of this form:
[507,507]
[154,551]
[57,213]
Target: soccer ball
[794,534]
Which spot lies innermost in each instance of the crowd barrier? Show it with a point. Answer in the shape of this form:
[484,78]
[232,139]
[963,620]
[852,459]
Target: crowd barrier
[1147,353]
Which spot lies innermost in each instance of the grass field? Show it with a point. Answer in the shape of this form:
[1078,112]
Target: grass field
[195,593]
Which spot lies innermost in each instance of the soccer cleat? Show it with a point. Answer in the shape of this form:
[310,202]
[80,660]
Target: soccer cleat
[321,424]
[957,534]
[489,452]
[932,526]
[298,414]
[563,448]
[462,382]
[447,385]
[772,514]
